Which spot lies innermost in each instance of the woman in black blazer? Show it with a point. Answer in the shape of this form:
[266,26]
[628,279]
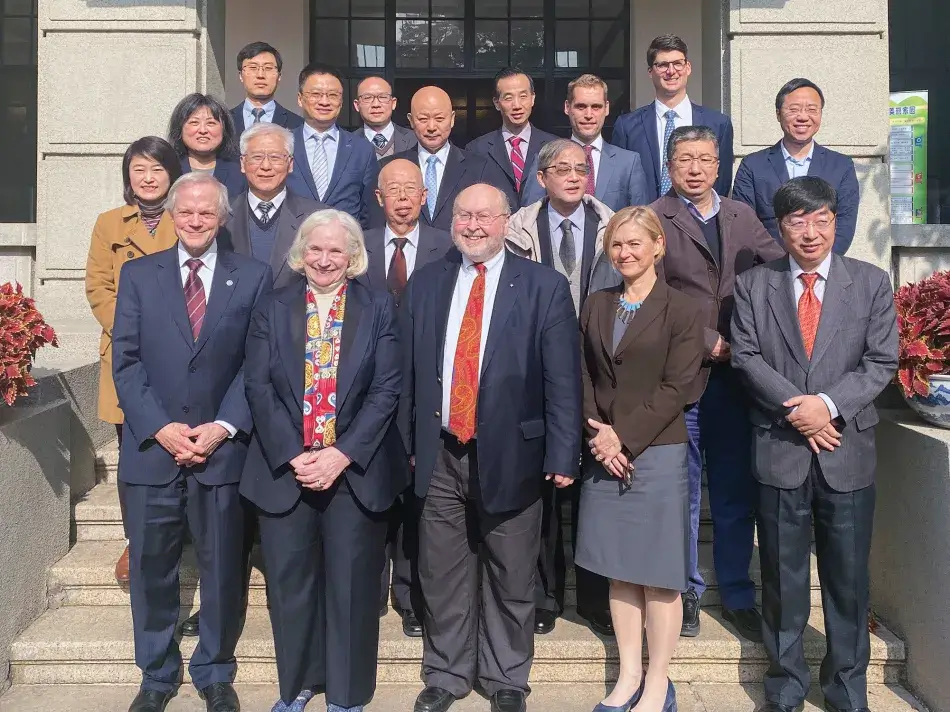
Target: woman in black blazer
[323,377]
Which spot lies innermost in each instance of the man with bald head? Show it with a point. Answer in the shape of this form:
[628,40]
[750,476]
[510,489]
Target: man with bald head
[446,169]
[375,103]
[491,409]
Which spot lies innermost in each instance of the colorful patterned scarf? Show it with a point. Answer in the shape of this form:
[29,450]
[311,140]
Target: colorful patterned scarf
[322,361]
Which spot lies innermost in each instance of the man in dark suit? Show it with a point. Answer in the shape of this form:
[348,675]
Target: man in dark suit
[260,67]
[181,321]
[375,103]
[615,176]
[814,336]
[330,166]
[395,252]
[709,240]
[496,400]
[798,107]
[516,144]
[647,129]
[446,170]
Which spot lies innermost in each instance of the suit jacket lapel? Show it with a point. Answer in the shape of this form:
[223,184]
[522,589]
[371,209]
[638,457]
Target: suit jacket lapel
[687,224]
[505,298]
[834,307]
[222,169]
[648,120]
[499,153]
[280,115]
[590,244]
[544,235]
[343,151]
[818,157]
[240,229]
[357,325]
[782,303]
[605,171]
[428,249]
[376,252]
[534,148]
[169,279]
[443,302]
[451,175]
[223,284]
[292,340]
[778,162]
[291,218]
[605,323]
[653,306]
[405,140]
[302,163]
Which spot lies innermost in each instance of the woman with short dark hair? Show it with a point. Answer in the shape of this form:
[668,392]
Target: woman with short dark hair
[202,131]
[140,227]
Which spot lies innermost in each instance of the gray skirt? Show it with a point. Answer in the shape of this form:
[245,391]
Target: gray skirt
[638,535]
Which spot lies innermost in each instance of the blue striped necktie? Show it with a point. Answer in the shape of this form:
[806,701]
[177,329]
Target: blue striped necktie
[432,184]
[665,182]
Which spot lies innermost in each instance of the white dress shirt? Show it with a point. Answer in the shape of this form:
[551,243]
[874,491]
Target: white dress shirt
[254,202]
[598,144]
[205,273]
[330,145]
[684,117]
[463,286]
[797,168]
[577,219]
[798,287]
[443,155]
[268,116]
[409,249]
[388,130]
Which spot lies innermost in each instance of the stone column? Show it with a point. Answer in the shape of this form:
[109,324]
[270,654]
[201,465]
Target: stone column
[109,73]
[842,46]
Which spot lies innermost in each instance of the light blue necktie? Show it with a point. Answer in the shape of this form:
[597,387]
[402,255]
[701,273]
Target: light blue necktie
[321,166]
[432,184]
[665,182]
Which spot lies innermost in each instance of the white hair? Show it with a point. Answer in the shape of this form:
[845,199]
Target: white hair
[355,245]
[267,129]
[194,179]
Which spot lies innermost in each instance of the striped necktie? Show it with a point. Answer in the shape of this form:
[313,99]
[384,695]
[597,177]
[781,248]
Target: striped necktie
[321,165]
[665,182]
[195,296]
[432,184]
[517,161]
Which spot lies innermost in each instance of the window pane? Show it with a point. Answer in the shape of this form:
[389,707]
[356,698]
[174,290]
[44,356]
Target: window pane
[619,98]
[368,43]
[448,42]
[527,8]
[491,8]
[571,45]
[527,44]
[368,8]
[571,8]
[18,7]
[330,9]
[412,43]
[607,8]
[17,41]
[491,44]
[607,44]
[412,8]
[448,8]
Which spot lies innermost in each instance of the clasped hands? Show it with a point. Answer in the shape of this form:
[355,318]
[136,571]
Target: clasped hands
[812,419]
[191,446]
[608,450]
[319,469]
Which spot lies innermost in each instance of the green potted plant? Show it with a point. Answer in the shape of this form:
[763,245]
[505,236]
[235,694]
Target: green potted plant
[22,332]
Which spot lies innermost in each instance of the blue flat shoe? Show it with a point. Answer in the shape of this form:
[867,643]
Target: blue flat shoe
[298,705]
[670,704]
[337,708]
[625,707]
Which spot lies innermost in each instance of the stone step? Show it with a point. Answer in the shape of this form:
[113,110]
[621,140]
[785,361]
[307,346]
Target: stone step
[551,697]
[107,463]
[93,645]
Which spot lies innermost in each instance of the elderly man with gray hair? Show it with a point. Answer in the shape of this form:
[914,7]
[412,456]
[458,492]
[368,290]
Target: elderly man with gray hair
[181,322]
[710,240]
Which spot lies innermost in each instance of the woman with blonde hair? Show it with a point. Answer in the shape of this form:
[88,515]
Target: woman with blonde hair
[642,345]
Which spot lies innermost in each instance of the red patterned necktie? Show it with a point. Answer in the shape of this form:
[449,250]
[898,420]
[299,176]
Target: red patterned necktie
[517,161]
[397,276]
[589,152]
[195,296]
[809,312]
[464,394]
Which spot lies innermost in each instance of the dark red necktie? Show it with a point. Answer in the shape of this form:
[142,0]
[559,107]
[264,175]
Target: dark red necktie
[195,296]
[589,151]
[517,161]
[398,272]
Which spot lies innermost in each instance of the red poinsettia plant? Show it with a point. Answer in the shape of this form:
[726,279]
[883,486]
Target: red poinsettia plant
[22,332]
[923,326]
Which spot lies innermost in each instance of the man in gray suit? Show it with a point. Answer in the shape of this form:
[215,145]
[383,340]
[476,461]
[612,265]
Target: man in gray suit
[615,176]
[814,336]
[375,103]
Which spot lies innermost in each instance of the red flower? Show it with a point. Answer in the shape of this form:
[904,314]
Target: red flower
[22,333]
[923,325]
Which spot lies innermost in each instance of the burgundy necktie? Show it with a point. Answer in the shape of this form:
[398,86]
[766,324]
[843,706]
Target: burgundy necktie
[589,151]
[397,276]
[195,296]
[517,161]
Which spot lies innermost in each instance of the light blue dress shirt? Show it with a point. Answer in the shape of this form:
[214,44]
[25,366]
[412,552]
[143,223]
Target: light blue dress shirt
[797,168]
[268,117]
[577,219]
[331,146]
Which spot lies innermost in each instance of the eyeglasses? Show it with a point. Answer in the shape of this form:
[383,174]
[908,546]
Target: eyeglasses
[255,68]
[679,65]
[255,159]
[799,227]
[370,98]
[482,219]
[318,95]
[395,191]
[795,110]
[563,169]
[704,161]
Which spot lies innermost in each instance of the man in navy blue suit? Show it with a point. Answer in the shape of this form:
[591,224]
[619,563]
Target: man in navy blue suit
[331,166]
[495,397]
[647,129]
[515,145]
[181,322]
[798,107]
[260,67]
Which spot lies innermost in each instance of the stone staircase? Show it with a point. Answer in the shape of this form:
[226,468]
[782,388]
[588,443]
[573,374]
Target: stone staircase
[79,655]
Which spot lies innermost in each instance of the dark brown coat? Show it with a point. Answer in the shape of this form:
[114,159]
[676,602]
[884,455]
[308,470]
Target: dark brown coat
[643,387]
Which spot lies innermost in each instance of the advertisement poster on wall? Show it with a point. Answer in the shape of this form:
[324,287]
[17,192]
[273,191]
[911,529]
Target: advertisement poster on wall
[908,157]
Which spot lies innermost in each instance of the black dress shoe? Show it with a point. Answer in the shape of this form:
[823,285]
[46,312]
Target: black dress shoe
[189,626]
[151,701]
[411,626]
[831,708]
[600,621]
[221,697]
[544,621]
[690,627]
[747,622]
[508,701]
[776,707]
[433,699]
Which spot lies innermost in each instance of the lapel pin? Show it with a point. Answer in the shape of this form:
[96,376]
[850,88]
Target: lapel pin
[229,283]
[511,284]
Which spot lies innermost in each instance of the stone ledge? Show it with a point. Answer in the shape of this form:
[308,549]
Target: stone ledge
[17,234]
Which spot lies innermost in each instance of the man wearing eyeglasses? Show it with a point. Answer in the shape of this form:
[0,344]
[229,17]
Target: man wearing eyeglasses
[709,240]
[799,106]
[647,129]
[375,103]
[259,66]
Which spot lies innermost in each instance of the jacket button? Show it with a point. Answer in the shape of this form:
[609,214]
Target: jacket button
[618,361]
[613,384]
[128,240]
[184,409]
[439,380]
[438,414]
[193,369]
[130,254]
